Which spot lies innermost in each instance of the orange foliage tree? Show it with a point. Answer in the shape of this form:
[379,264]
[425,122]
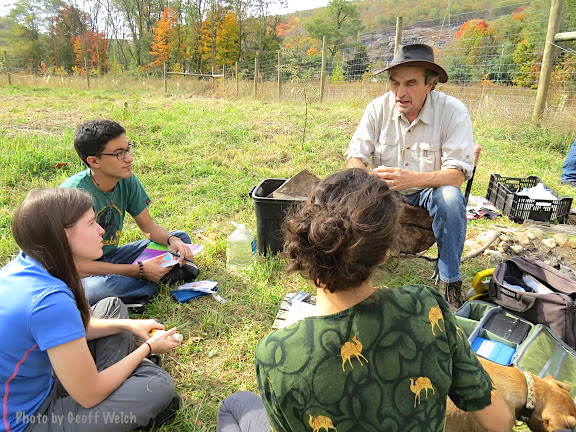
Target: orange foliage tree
[225,38]
[91,46]
[164,34]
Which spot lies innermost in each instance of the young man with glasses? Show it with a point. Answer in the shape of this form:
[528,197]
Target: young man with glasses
[103,147]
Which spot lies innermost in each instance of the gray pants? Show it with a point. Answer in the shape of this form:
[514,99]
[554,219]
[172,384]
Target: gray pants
[242,411]
[135,403]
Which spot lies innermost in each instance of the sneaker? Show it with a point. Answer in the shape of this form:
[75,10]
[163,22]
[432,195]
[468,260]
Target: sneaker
[452,292]
[187,273]
[136,308]
[167,415]
[156,359]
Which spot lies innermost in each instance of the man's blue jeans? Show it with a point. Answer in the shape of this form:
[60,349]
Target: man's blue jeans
[447,207]
[569,167]
[128,289]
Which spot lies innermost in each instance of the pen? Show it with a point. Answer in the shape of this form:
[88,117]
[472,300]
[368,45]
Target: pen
[177,255]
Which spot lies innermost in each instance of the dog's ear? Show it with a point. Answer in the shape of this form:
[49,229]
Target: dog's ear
[561,384]
[552,420]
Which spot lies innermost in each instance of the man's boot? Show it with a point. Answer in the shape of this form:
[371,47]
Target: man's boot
[452,292]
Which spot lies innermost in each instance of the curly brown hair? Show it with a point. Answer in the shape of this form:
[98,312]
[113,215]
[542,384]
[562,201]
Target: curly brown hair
[344,230]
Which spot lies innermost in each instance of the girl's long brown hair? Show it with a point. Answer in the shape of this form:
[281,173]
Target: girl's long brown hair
[38,228]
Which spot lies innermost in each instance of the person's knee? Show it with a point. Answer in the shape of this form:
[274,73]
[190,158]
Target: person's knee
[97,288]
[448,197]
[111,308]
[242,411]
[238,401]
[182,235]
[159,383]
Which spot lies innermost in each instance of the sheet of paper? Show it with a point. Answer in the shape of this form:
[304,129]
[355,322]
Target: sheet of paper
[297,311]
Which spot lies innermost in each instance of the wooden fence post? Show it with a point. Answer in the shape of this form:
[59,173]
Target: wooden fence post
[256,73]
[323,70]
[398,38]
[547,59]
[165,79]
[7,68]
[237,78]
[279,76]
[87,71]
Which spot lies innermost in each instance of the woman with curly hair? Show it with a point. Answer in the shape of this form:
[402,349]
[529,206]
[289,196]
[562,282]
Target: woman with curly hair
[370,359]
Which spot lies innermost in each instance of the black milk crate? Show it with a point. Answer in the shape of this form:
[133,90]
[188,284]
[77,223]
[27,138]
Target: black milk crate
[502,193]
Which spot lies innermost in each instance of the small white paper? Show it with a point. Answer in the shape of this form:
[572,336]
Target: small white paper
[485,348]
[298,311]
[535,285]
[169,263]
[202,286]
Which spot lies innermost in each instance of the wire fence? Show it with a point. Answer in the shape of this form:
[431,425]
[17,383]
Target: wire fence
[488,77]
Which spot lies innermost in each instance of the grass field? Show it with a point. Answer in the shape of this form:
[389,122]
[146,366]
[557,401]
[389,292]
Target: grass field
[199,158]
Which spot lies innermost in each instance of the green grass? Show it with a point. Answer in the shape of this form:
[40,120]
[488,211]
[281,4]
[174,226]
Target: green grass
[199,158]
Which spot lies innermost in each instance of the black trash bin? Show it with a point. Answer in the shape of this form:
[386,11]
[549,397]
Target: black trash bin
[270,213]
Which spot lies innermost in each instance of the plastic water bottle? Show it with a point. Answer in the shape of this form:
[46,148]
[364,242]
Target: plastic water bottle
[175,337]
[240,248]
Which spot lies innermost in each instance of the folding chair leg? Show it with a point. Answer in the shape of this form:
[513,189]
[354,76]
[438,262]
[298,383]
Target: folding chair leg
[436,275]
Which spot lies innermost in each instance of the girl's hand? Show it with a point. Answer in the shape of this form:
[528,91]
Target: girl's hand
[142,327]
[161,342]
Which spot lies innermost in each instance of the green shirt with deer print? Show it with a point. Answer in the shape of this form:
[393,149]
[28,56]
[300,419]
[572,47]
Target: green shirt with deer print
[385,364]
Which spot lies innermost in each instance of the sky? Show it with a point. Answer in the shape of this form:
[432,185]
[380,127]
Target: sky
[4,7]
[297,5]
[293,6]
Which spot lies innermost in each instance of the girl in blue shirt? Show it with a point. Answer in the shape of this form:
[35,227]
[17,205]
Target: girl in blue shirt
[66,366]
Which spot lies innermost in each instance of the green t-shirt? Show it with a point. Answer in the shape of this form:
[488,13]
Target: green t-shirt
[386,364]
[110,207]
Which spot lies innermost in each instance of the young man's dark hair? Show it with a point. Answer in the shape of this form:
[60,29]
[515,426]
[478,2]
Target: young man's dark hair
[91,137]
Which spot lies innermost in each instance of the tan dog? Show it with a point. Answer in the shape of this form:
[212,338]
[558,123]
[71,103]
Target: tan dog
[554,408]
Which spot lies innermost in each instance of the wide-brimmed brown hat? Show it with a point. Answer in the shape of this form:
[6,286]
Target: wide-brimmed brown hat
[416,55]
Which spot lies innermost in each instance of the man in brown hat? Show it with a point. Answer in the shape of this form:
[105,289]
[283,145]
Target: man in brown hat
[420,141]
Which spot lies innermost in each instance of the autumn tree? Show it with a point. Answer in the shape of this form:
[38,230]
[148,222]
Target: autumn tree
[163,41]
[220,38]
[91,48]
[26,24]
[337,22]
[228,40]
[68,24]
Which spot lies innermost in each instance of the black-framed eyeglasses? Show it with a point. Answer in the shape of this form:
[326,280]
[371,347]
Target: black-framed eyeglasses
[120,154]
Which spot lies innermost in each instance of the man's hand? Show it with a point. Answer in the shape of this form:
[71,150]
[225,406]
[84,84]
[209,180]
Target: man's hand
[397,178]
[181,248]
[153,271]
